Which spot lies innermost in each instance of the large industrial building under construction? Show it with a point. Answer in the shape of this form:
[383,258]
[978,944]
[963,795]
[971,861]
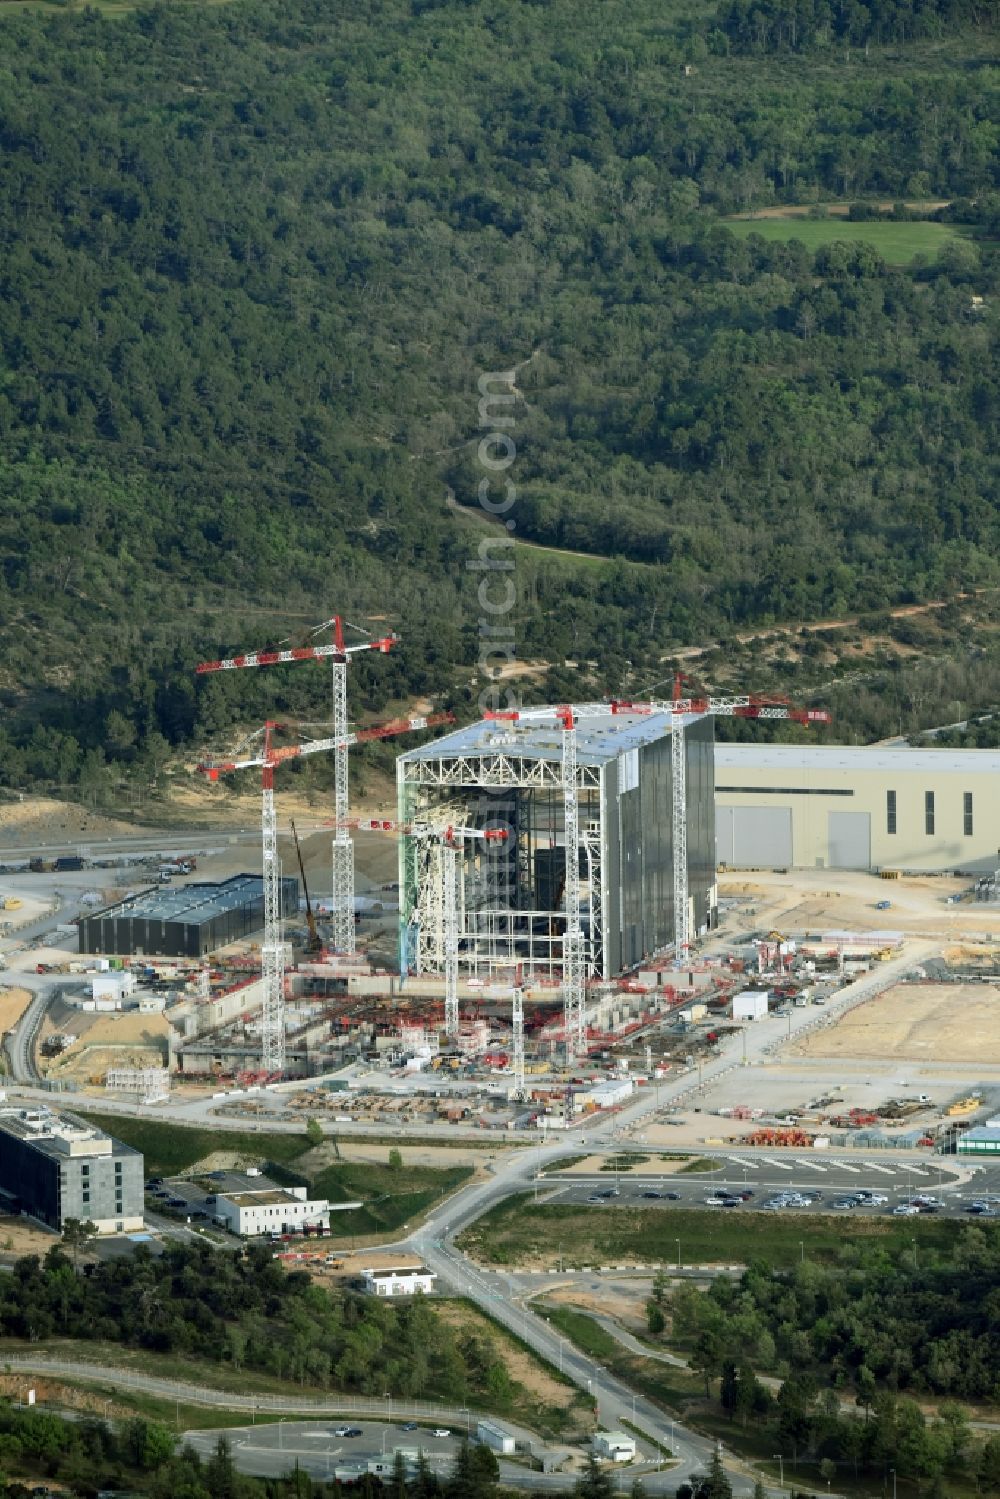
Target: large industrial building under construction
[510,896]
[184,921]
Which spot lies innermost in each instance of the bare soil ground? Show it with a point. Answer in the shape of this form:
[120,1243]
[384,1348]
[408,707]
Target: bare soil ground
[817,900]
[624,1300]
[13,1003]
[19,1237]
[413,1155]
[915,1022]
[105,1041]
[40,819]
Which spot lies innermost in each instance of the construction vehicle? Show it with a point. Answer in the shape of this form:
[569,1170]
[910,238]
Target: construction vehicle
[314,945]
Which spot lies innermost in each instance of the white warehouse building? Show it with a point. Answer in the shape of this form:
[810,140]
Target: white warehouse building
[779,806]
[750,1004]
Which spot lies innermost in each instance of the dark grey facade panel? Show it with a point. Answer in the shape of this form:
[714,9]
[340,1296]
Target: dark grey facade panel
[127,931]
[644,829]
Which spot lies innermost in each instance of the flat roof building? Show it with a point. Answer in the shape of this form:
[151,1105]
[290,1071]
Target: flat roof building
[398,1281]
[983,1140]
[511,906]
[54,1166]
[780,806]
[267,1209]
[185,921]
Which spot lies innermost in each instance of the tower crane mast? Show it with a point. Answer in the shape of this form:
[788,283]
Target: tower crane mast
[340,654]
[268,757]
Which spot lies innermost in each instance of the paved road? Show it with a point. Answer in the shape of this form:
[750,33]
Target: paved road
[270,1451]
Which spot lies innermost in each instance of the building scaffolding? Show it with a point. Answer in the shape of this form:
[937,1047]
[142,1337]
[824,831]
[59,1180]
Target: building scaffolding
[581,887]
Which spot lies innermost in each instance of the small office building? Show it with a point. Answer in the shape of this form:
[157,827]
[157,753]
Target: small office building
[492,1434]
[398,1281]
[750,1004]
[614,1446]
[984,1140]
[54,1166]
[268,1209]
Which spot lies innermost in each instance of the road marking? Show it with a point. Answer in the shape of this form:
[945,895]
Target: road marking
[845,1167]
[885,1170]
[747,1165]
[813,1165]
[917,1171]
[781,1165]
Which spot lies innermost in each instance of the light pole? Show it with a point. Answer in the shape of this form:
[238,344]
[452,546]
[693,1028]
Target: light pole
[387,1397]
[893,1472]
[914,1243]
[781,1469]
[802,1252]
[281,1434]
[678,1243]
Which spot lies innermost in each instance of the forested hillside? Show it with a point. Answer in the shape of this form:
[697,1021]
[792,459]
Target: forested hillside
[256,260]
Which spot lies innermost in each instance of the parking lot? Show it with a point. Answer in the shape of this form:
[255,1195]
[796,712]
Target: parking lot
[749,1182]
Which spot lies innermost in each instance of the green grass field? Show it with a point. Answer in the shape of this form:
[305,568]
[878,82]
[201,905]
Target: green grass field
[518,1231]
[392,1196]
[170,1149]
[897,243]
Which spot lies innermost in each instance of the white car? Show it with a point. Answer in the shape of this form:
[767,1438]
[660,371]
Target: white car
[441,1431]
[906,1210]
[876,1200]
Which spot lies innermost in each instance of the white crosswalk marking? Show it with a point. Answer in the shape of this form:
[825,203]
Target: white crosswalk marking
[845,1167]
[781,1165]
[885,1170]
[739,1161]
[813,1165]
[917,1171]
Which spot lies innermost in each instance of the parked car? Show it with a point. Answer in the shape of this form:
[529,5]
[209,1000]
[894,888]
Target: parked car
[671,1196]
[408,1426]
[651,1194]
[441,1431]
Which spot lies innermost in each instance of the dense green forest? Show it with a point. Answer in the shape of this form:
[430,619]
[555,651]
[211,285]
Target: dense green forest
[256,263]
[251,1312]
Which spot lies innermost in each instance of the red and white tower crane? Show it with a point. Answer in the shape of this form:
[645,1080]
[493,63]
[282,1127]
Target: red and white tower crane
[268,756]
[748,705]
[450,840]
[340,654]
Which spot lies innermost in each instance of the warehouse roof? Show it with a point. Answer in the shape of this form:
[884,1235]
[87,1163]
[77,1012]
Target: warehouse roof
[601,736]
[192,904]
[832,757]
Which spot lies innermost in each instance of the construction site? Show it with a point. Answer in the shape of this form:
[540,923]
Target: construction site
[556,935]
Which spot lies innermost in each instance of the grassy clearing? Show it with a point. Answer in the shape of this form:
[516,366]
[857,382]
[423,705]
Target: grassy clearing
[897,243]
[700,1163]
[666,1384]
[170,1149]
[518,1232]
[589,1336]
[392,1196]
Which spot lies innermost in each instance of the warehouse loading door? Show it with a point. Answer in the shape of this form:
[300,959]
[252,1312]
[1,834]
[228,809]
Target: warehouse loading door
[849,836]
[754,837]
